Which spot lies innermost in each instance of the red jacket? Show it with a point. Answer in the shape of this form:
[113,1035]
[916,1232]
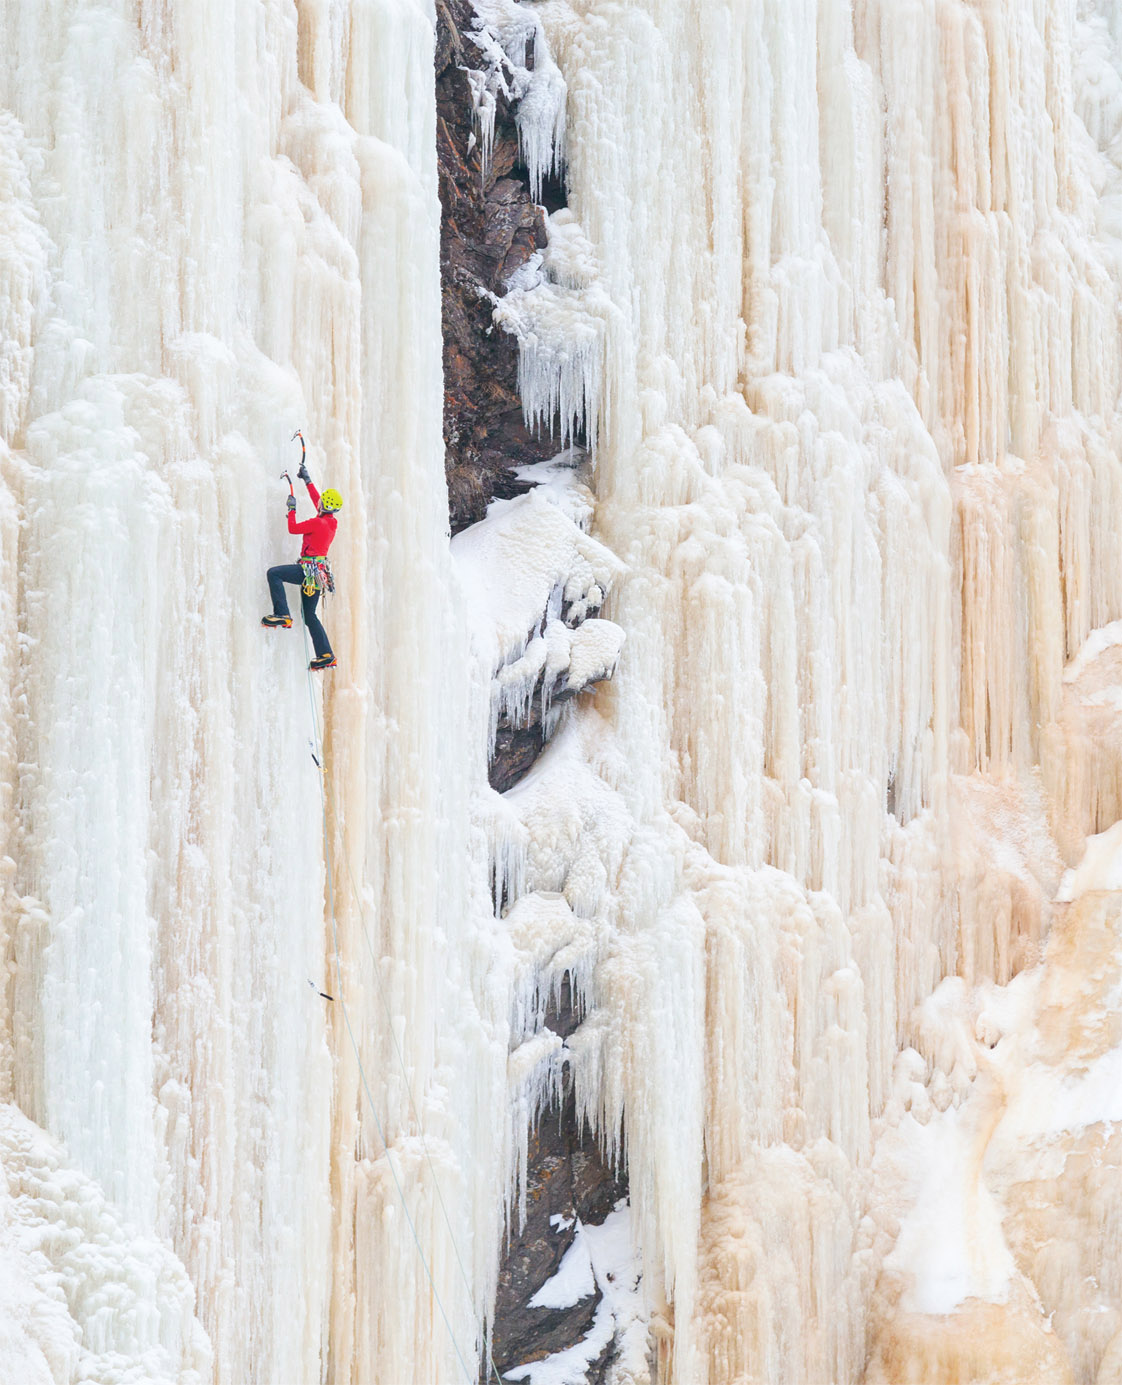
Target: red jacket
[318,532]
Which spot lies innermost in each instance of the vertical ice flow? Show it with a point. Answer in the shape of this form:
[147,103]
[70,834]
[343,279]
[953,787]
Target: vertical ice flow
[220,225]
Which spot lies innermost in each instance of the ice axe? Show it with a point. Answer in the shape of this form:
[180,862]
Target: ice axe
[284,476]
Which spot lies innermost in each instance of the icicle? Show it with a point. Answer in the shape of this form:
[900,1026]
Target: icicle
[520,67]
[560,314]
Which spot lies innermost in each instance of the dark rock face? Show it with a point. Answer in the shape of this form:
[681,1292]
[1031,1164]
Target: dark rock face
[517,746]
[516,749]
[490,227]
[566,1179]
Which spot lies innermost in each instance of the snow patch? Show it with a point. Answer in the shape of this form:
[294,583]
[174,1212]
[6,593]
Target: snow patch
[951,1245]
[1097,643]
[573,1280]
[601,1257]
[531,575]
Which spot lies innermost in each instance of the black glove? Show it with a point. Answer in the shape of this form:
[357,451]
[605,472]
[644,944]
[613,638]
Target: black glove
[303,474]
[290,503]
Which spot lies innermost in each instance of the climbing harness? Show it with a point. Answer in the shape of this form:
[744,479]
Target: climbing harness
[317,576]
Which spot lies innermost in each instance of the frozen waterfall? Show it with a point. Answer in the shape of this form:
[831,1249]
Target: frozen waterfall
[820,608]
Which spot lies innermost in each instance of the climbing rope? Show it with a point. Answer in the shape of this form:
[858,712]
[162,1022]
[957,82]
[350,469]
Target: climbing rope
[405,1072]
[317,756]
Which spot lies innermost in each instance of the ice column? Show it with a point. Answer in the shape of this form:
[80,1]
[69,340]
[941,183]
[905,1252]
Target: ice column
[858,470]
[220,225]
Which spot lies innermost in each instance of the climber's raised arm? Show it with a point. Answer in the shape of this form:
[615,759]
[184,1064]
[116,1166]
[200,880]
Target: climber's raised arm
[307,480]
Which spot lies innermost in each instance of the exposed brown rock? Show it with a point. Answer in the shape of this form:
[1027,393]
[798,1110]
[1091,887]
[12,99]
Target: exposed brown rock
[490,227]
[566,1178]
[516,749]
[518,746]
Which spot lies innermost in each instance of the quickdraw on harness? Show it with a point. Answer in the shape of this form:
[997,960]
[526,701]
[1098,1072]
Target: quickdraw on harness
[317,576]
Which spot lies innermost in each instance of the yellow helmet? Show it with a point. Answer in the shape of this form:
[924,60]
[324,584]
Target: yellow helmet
[330,499]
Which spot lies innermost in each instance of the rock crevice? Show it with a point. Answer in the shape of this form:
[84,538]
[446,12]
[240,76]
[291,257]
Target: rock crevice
[491,228]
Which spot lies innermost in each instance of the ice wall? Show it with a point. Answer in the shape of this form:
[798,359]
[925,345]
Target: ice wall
[856,441]
[220,224]
[835,305]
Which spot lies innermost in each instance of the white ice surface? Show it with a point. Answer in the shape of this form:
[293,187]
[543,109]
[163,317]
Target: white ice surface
[218,224]
[561,315]
[837,300]
[505,34]
[84,1296]
[950,1244]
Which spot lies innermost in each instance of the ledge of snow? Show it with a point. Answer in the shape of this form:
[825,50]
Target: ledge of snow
[1100,868]
[1096,643]
[533,580]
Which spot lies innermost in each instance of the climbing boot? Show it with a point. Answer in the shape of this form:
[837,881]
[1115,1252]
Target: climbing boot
[323,661]
[284,622]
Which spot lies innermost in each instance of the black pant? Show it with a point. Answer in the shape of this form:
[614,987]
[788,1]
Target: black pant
[292,572]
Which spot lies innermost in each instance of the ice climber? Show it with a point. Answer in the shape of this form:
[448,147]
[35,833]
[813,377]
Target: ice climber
[311,574]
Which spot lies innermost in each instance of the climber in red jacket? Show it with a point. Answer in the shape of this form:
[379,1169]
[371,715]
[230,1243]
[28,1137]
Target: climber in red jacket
[311,574]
